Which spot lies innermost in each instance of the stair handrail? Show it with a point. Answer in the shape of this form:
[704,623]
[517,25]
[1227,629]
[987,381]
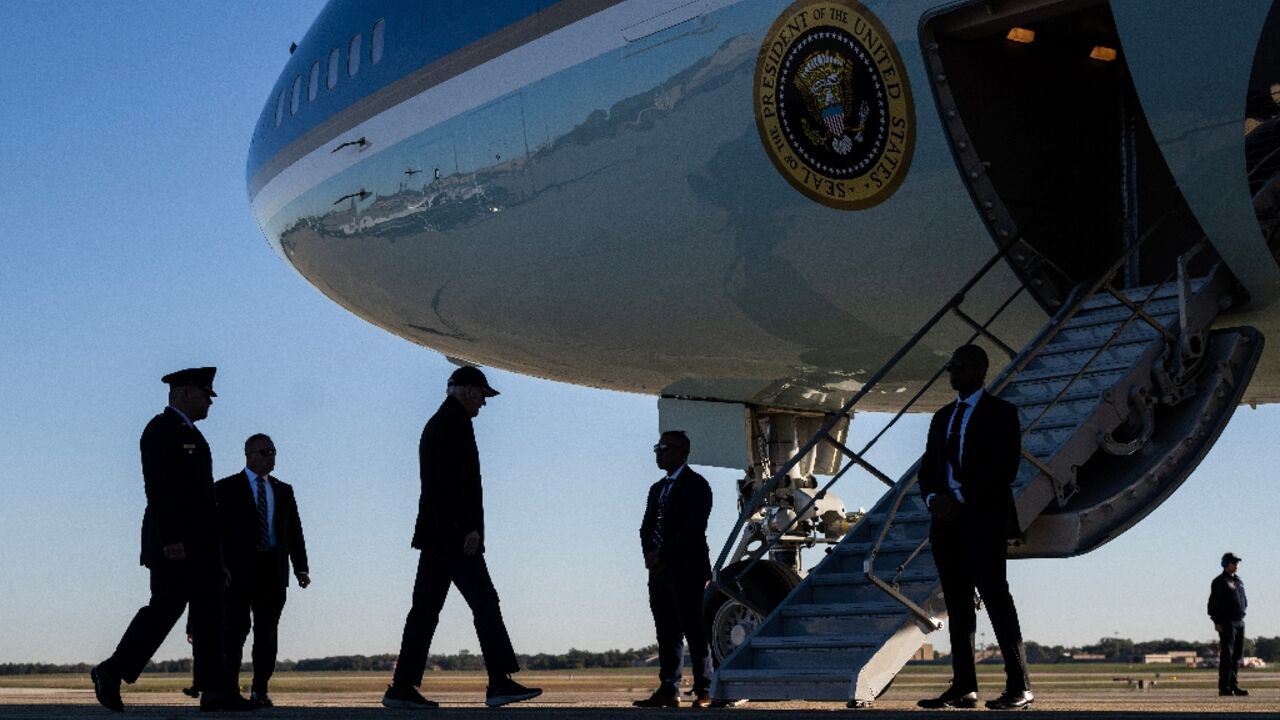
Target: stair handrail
[1072,308]
[823,434]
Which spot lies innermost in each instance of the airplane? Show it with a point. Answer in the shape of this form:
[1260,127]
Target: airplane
[773,215]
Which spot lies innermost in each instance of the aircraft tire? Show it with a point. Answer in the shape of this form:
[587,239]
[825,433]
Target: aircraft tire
[727,620]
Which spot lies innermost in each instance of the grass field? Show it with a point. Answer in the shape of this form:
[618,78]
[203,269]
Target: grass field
[916,679]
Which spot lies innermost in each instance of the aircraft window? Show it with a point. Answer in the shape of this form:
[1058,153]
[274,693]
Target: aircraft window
[353,57]
[279,108]
[313,86]
[379,35]
[332,80]
[297,95]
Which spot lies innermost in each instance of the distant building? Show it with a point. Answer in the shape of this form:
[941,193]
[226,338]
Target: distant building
[1086,657]
[926,653]
[989,654]
[1174,657]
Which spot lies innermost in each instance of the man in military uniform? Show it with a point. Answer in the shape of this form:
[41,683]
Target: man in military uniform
[450,534]
[1227,604]
[180,548]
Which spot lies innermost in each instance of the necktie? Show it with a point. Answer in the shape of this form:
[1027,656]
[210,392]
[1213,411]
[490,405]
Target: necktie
[662,504]
[264,520]
[953,439]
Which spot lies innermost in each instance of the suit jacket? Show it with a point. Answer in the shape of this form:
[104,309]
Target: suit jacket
[177,473]
[988,466]
[238,518]
[684,525]
[452,501]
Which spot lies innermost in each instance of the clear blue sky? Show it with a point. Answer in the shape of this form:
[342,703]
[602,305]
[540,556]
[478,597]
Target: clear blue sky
[129,250]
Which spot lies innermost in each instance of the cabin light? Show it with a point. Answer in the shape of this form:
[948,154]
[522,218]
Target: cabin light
[1021,35]
[1103,53]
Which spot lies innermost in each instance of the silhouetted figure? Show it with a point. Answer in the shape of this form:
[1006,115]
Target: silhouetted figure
[261,534]
[966,476]
[180,548]
[450,534]
[673,537]
[1227,605]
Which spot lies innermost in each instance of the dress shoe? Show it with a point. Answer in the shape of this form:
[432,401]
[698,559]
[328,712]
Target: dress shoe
[106,687]
[659,698]
[950,699]
[1241,692]
[225,702]
[191,692]
[1012,700]
[701,700]
[261,699]
[504,691]
[406,698]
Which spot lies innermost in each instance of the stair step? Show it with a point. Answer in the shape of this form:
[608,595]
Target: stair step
[806,642]
[1098,369]
[1104,299]
[890,546]
[1162,310]
[1124,341]
[831,609]
[773,676]
[854,578]
[1023,398]
[902,518]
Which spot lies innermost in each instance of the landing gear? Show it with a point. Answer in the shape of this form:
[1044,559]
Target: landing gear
[729,622]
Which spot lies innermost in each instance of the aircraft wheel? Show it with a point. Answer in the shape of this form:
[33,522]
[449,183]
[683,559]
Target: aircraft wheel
[729,623]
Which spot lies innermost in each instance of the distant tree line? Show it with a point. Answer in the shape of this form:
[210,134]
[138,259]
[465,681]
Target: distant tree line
[573,660]
[1113,649]
[1126,650]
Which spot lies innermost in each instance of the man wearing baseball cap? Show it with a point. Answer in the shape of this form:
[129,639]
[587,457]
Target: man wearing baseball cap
[1227,604]
[450,535]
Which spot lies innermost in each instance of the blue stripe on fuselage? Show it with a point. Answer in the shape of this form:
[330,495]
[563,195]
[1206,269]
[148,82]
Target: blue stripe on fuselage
[417,33]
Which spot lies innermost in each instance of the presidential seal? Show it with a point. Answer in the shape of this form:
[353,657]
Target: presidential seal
[833,105]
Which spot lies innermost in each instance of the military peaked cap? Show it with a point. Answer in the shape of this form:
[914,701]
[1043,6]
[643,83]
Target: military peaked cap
[200,377]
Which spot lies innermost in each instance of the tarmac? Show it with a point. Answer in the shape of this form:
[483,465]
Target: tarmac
[1183,704]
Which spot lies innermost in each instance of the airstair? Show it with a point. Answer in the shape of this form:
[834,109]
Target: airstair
[1119,396]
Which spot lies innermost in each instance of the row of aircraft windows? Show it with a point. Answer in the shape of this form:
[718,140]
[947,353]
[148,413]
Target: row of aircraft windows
[354,54]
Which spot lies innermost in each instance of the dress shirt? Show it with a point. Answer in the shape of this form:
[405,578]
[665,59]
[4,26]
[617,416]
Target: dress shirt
[271,502]
[971,402]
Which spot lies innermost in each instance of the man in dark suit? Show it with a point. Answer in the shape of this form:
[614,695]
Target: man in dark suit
[261,534]
[180,548]
[966,476]
[450,534]
[673,537]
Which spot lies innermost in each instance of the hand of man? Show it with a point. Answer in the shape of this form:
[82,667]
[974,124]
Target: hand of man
[471,543]
[175,552]
[303,580]
[944,506]
[1218,627]
[652,562]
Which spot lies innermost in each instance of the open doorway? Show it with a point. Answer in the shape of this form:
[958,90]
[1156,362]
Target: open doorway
[1048,129]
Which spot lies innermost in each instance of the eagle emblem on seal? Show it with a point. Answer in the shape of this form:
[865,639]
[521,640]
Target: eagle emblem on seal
[826,81]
